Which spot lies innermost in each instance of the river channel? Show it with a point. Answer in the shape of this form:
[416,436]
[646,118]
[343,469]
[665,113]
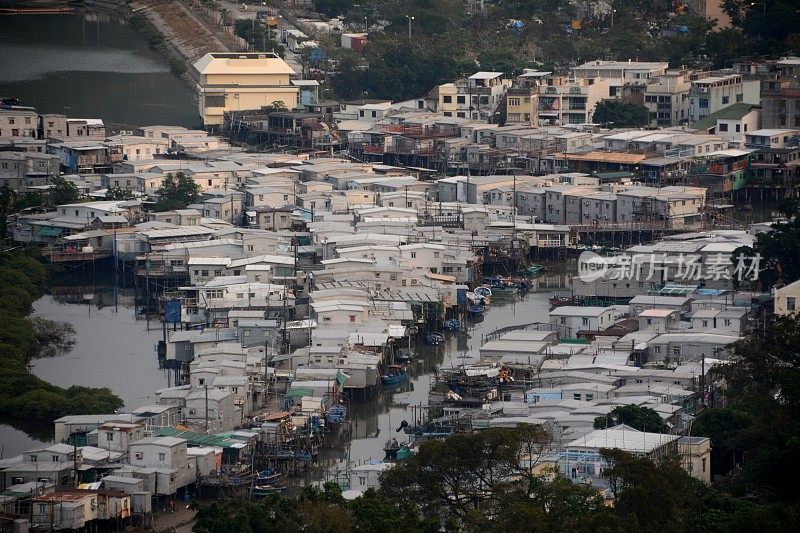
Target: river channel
[115,348]
[90,64]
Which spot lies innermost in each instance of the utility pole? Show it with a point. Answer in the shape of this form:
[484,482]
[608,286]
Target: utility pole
[206,424]
[76,481]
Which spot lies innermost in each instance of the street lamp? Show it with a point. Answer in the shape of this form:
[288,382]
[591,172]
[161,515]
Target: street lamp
[366,25]
[612,17]
[410,18]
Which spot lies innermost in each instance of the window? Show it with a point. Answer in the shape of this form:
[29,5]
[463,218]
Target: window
[727,323]
[138,456]
[704,103]
[704,463]
[657,349]
[576,396]
[162,456]
[352,318]
[461,100]
[413,255]
[723,127]
[109,436]
[205,272]
[33,458]
[563,320]
[447,99]
[42,508]
[726,99]
[513,101]
[56,459]
[791,303]
[215,101]
[705,323]
[585,321]
[676,350]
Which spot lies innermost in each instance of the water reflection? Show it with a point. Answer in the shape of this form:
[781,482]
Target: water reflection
[90,64]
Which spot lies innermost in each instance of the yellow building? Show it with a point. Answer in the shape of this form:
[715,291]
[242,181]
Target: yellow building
[238,82]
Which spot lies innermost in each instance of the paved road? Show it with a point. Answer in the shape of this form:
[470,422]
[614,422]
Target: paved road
[234,8]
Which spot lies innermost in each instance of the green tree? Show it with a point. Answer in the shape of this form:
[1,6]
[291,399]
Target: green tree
[176,192]
[758,428]
[119,193]
[277,105]
[53,338]
[778,250]
[63,191]
[620,114]
[641,418]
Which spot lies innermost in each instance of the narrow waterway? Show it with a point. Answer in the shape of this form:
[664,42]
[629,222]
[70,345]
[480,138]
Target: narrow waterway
[115,348]
[90,64]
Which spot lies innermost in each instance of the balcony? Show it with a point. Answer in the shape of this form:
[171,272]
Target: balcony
[373,149]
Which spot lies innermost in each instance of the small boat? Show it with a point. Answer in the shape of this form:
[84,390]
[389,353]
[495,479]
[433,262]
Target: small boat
[395,375]
[484,292]
[476,309]
[267,477]
[452,324]
[259,491]
[403,453]
[558,301]
[336,414]
[404,355]
[532,271]
[505,292]
[304,456]
[434,338]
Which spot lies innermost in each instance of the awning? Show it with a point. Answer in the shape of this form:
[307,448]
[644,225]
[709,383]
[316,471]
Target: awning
[50,231]
[298,392]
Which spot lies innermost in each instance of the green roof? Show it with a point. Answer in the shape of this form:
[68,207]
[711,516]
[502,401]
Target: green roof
[613,175]
[197,439]
[732,112]
[299,392]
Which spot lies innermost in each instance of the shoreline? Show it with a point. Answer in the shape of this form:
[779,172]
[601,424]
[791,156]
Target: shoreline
[158,40]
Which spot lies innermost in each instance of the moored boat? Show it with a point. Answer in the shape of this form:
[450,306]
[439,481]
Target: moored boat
[404,355]
[395,375]
[336,414]
[476,309]
[452,324]
[434,338]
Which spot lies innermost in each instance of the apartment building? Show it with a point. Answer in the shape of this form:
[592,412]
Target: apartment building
[242,81]
[666,97]
[522,98]
[780,103]
[620,73]
[710,94]
[570,101]
[18,122]
[476,97]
